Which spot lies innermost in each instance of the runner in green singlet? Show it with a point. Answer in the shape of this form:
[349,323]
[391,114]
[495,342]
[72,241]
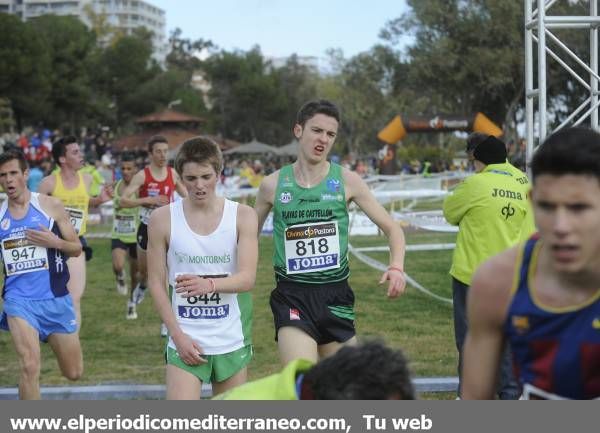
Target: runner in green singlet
[124,240]
[312,304]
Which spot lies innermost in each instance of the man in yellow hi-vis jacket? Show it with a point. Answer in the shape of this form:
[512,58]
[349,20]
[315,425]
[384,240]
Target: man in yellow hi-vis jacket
[492,211]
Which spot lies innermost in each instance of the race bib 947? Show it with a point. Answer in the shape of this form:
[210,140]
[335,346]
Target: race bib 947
[21,257]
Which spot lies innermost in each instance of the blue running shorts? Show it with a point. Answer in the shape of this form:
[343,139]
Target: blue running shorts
[47,316]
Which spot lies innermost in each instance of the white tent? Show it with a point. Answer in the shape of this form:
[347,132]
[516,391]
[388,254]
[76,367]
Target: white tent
[252,147]
[290,149]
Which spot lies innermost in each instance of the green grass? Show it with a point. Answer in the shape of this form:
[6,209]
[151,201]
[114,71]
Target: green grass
[121,351]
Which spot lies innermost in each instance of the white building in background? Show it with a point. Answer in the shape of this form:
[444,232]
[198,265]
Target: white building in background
[200,83]
[125,15]
[131,14]
[6,6]
[309,61]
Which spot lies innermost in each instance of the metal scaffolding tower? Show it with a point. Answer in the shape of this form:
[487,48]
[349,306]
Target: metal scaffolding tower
[538,28]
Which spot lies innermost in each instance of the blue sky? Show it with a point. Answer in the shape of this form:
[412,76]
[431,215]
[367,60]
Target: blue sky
[283,27]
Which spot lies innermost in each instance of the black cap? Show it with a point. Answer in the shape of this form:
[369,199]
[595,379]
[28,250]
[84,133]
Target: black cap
[490,151]
[474,139]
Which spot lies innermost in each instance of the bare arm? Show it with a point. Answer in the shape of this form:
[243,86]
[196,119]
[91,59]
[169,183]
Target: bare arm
[105,193]
[358,191]
[247,260]
[179,187]
[47,185]
[129,200]
[265,198]
[487,306]
[158,238]
[69,244]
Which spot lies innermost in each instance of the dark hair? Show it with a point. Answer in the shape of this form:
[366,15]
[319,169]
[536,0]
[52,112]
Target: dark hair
[312,108]
[59,147]
[568,151]
[370,371]
[201,150]
[156,139]
[12,154]
[127,157]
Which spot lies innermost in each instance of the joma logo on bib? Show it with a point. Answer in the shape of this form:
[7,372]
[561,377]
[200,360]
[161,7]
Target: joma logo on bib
[29,265]
[313,263]
[203,312]
[21,257]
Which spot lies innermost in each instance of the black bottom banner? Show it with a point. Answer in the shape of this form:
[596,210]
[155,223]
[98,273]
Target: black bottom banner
[297,416]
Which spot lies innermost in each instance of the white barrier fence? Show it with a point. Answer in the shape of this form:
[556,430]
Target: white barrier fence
[158,392]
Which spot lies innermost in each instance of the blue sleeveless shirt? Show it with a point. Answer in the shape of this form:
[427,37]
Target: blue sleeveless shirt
[30,271]
[556,351]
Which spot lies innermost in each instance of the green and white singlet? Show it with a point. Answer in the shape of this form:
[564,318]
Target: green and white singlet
[310,229]
[125,220]
[218,322]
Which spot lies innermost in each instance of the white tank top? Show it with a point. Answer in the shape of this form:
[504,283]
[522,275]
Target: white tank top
[218,322]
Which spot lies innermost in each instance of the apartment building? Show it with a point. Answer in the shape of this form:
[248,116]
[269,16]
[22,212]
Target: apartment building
[6,6]
[125,15]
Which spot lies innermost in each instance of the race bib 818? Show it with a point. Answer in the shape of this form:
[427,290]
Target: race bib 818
[312,247]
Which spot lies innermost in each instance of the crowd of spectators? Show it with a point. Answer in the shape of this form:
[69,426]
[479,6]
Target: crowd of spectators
[96,145]
[103,163]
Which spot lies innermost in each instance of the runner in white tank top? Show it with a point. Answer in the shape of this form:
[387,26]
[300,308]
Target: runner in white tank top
[207,249]
[218,322]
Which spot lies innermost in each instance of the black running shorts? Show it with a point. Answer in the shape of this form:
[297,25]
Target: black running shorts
[142,236]
[131,248]
[325,312]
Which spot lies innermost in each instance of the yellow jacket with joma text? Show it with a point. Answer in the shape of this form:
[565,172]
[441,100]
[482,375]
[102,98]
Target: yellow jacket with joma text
[492,211]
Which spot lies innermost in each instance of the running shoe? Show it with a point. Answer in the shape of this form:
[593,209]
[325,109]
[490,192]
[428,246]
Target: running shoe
[131,311]
[122,288]
[138,294]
